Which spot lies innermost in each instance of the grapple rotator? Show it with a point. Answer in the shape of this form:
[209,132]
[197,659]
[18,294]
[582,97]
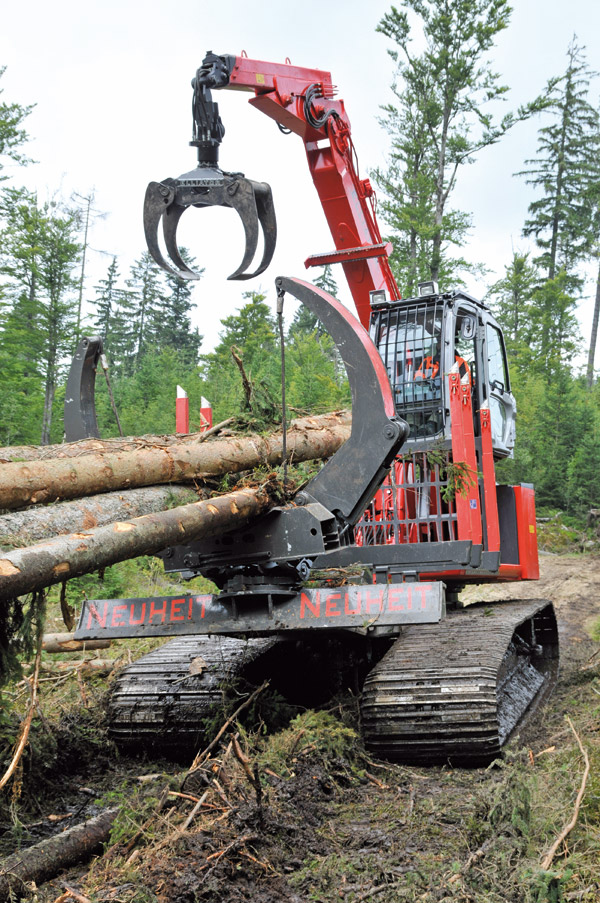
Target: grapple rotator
[208,186]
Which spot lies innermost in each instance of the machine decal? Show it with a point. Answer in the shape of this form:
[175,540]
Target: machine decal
[349,606]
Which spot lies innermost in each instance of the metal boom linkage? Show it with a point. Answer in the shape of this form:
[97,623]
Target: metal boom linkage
[302,101]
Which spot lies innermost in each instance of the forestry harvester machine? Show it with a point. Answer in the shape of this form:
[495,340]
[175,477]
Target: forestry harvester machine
[409,503]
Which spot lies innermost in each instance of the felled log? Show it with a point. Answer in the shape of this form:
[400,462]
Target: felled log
[44,860]
[16,453]
[64,642]
[45,481]
[92,446]
[25,570]
[88,666]
[22,528]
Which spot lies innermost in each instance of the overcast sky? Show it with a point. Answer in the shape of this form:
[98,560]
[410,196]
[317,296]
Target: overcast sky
[111,81]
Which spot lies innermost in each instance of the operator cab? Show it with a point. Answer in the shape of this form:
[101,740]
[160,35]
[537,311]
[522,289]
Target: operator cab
[421,339]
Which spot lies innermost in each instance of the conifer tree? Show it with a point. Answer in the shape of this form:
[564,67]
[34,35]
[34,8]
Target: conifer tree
[20,338]
[175,327]
[107,295]
[60,253]
[143,305]
[566,171]
[305,322]
[512,299]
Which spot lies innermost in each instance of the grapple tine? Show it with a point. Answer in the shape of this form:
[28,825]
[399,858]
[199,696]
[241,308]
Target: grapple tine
[266,218]
[239,194]
[171,218]
[158,196]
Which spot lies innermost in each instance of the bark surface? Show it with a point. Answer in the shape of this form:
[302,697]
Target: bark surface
[64,642]
[91,446]
[21,528]
[46,859]
[30,483]
[44,564]
[17,453]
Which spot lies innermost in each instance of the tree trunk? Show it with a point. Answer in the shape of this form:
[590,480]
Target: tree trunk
[25,570]
[22,528]
[88,446]
[18,453]
[46,481]
[64,642]
[44,860]
[594,335]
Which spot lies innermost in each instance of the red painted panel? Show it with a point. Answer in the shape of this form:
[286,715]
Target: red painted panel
[489,482]
[182,415]
[527,534]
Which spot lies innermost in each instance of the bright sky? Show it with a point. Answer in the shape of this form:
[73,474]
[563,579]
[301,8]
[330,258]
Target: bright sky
[111,81]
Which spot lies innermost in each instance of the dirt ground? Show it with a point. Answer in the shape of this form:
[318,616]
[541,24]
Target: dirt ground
[310,816]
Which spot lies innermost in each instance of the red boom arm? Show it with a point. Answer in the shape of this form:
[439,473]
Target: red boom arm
[280,91]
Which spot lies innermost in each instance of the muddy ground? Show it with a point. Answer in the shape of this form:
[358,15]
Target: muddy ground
[308,815]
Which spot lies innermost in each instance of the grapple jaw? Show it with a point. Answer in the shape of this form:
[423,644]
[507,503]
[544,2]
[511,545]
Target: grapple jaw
[167,200]
[209,186]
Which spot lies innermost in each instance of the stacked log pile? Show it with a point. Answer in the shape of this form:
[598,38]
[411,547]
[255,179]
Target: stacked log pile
[72,509]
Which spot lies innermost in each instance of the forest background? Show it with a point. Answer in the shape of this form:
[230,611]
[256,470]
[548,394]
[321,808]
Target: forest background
[441,119]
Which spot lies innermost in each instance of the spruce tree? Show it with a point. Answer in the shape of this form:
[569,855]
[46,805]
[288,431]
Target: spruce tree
[21,334]
[566,171]
[305,322]
[144,305]
[60,253]
[175,327]
[512,299]
[107,295]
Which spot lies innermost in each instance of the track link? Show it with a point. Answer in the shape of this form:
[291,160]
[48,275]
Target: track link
[456,691]
[159,702]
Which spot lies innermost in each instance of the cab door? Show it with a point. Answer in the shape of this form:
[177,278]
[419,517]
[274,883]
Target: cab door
[502,402]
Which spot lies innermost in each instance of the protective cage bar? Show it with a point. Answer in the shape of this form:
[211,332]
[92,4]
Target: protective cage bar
[410,340]
[415,503]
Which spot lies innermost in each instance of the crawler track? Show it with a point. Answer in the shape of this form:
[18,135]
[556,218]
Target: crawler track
[456,691]
[157,702]
[453,691]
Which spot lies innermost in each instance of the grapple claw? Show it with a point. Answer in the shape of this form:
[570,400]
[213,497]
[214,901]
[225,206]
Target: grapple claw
[209,187]
[158,197]
[171,217]
[240,195]
[266,217]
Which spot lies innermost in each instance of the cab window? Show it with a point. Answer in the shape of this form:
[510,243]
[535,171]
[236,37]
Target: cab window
[497,369]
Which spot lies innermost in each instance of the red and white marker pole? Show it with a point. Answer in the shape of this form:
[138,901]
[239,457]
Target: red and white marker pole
[182,411]
[206,420]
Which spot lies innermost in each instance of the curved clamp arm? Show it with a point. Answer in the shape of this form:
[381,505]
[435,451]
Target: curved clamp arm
[347,483]
[80,412]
